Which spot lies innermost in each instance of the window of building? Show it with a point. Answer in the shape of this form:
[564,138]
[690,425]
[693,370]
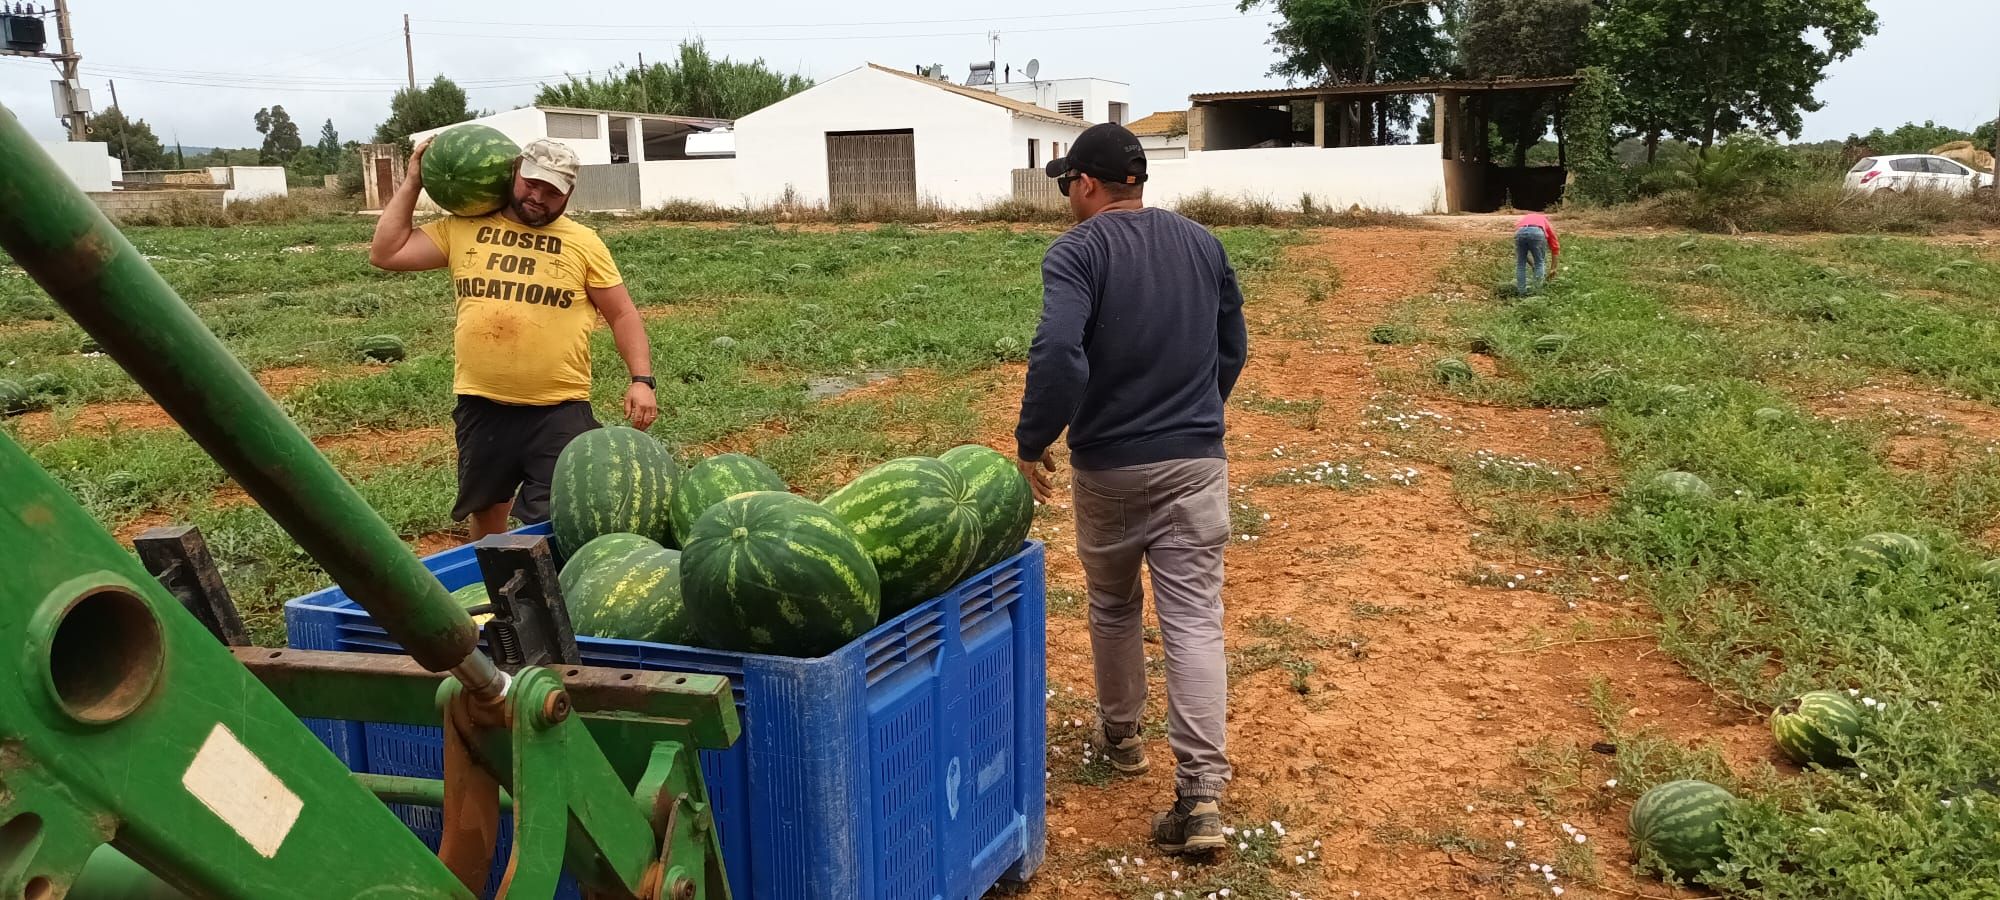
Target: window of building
[572,126]
[1071,108]
[1118,113]
[1034,153]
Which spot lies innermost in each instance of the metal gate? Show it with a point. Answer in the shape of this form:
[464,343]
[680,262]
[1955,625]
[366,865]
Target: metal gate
[613,186]
[869,170]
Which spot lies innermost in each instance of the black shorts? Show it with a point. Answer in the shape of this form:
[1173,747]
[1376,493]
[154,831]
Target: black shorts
[504,449]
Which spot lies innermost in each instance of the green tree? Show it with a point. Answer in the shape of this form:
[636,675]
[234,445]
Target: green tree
[1908,138]
[281,136]
[1595,174]
[1329,42]
[439,104]
[1702,69]
[329,141]
[693,84]
[131,140]
[1523,39]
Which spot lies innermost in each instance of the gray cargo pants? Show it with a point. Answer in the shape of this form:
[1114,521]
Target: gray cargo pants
[1175,516]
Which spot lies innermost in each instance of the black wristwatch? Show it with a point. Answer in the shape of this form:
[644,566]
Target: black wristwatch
[646,380]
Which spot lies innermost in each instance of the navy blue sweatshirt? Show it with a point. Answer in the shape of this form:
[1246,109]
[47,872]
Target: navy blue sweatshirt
[1140,343]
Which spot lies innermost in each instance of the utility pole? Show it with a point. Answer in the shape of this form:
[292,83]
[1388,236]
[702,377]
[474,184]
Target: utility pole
[409,55]
[1996,162]
[69,62]
[124,134]
[644,104]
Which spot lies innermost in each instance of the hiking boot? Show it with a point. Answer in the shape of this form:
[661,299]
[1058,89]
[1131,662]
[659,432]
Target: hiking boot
[1193,826]
[1121,747]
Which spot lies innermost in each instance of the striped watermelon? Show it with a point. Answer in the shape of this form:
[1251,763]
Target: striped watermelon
[1452,370]
[627,589]
[469,169]
[1989,572]
[1817,727]
[1678,827]
[1887,551]
[999,493]
[771,572]
[918,523]
[1769,417]
[1552,343]
[13,397]
[611,480]
[1680,486]
[713,480]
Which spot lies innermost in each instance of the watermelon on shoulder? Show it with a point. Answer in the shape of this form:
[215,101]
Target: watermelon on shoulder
[1001,497]
[917,522]
[468,169]
[611,480]
[772,572]
[713,480]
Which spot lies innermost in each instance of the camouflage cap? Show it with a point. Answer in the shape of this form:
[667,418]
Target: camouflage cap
[550,161]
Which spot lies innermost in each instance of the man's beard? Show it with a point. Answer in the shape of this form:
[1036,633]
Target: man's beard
[536,221]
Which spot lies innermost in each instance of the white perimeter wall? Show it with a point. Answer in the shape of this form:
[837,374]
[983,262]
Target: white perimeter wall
[254,183]
[711,181]
[1406,179]
[966,149]
[87,163]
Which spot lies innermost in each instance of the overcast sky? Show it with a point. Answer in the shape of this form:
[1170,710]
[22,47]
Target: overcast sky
[200,72]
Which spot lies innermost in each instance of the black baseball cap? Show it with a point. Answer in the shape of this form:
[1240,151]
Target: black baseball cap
[1106,152]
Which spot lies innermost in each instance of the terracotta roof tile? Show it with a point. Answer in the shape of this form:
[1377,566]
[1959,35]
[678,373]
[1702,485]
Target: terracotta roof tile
[1170,122]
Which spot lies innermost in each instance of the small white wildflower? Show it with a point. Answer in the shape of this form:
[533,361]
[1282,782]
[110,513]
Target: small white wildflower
[1509,844]
[1612,783]
[1520,824]
[1118,870]
[1853,692]
[1299,860]
[1468,807]
[1580,839]
[1556,890]
[1624,578]
[1242,846]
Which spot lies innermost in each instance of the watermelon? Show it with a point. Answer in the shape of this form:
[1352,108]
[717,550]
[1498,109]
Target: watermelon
[469,169]
[1452,370]
[1989,572]
[1887,551]
[1606,383]
[471,595]
[772,572]
[1000,494]
[1678,827]
[1817,727]
[13,397]
[919,524]
[1680,486]
[611,480]
[1769,417]
[1551,343]
[724,342]
[587,556]
[713,480]
[382,348]
[1386,334]
[627,587]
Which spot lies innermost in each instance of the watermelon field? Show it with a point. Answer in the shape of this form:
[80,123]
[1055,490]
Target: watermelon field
[1498,568]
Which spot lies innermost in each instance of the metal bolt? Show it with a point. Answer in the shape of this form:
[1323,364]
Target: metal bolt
[683,889]
[555,707]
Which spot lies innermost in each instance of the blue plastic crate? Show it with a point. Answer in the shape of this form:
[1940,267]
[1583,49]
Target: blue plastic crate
[908,764]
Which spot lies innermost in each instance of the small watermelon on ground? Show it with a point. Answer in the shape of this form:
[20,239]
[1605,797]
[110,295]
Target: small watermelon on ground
[1680,486]
[772,572]
[1989,571]
[1887,551]
[381,348]
[13,397]
[1000,494]
[1817,727]
[469,169]
[1385,334]
[47,385]
[589,555]
[713,480]
[1678,827]
[611,480]
[1551,343]
[1452,370]
[1770,417]
[918,523]
[725,342]
[630,591]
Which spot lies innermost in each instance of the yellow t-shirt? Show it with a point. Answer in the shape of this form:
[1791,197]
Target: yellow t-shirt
[524,319]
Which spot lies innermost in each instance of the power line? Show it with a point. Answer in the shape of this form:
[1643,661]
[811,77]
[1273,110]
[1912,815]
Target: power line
[632,26]
[866,37]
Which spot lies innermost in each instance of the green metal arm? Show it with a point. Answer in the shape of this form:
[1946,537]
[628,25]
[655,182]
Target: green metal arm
[88,267]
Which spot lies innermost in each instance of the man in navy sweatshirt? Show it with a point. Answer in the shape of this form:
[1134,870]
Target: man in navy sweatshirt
[1140,342]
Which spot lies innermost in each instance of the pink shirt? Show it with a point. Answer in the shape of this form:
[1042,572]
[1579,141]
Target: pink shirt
[1537,220]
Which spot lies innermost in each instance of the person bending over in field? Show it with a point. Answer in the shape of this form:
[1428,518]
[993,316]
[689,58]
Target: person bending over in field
[1141,339]
[531,284]
[1534,237]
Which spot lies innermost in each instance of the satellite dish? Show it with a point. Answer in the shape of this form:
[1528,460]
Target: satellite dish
[1034,68]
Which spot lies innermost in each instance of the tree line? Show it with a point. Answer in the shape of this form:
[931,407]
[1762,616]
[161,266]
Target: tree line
[691,83]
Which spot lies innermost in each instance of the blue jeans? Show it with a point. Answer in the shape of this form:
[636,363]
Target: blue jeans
[1530,242]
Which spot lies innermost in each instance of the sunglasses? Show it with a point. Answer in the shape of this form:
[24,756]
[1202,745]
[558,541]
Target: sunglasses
[1066,179]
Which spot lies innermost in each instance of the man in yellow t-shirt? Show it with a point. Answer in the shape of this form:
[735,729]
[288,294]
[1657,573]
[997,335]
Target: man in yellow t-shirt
[531,284]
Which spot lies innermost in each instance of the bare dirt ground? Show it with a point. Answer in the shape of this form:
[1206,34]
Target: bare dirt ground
[1418,704]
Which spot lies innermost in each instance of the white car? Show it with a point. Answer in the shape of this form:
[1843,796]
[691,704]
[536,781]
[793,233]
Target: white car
[1915,172]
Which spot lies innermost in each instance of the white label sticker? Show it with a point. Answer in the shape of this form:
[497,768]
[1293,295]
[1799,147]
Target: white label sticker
[235,785]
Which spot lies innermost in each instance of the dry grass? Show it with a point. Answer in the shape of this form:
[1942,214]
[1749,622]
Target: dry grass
[1805,208]
[297,205]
